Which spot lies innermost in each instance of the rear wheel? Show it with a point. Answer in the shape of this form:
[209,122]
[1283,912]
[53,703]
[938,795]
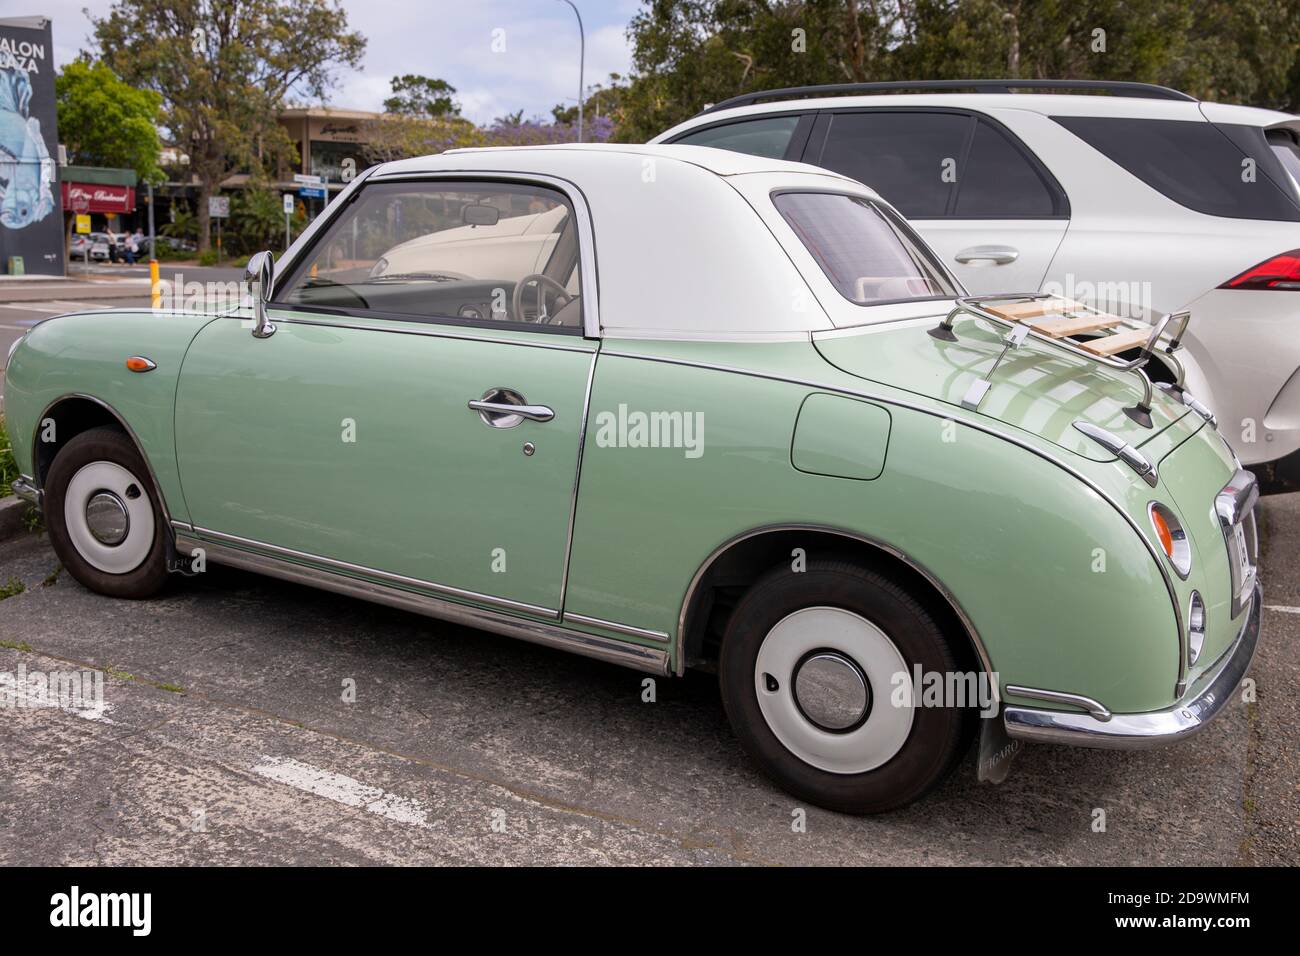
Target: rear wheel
[812,673]
[104,517]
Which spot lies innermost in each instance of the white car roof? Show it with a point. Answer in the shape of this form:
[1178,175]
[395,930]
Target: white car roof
[565,159]
[682,221]
[1047,104]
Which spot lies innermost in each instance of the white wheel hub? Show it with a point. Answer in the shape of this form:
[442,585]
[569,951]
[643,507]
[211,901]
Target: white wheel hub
[109,517]
[825,679]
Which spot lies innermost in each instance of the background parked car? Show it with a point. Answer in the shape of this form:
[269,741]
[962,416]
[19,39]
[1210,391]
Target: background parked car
[1145,202]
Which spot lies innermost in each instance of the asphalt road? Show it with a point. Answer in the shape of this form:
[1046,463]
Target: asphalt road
[227,739]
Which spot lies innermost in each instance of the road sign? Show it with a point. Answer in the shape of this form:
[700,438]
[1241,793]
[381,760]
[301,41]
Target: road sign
[288,204]
[83,222]
[219,207]
[312,192]
[79,201]
[305,180]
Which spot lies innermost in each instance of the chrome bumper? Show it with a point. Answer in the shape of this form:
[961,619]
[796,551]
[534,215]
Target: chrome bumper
[1154,729]
[26,489]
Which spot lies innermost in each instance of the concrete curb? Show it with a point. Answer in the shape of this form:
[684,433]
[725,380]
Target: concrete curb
[12,510]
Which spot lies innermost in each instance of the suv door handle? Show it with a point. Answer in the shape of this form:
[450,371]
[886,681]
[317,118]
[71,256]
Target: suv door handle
[998,255]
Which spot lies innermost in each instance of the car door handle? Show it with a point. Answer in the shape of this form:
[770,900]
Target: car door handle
[534,413]
[998,255]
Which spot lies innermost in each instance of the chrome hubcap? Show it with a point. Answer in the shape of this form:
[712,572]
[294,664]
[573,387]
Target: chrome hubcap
[107,518]
[832,691]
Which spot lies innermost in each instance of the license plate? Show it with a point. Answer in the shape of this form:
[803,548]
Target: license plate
[1244,566]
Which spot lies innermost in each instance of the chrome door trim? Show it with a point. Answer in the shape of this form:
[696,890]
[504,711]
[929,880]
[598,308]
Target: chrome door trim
[649,659]
[398,580]
[590,294]
[1094,707]
[627,629]
[438,334]
[1156,558]
[577,478]
[978,642]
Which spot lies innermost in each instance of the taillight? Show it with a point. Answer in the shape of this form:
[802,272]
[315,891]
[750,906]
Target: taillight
[1280,272]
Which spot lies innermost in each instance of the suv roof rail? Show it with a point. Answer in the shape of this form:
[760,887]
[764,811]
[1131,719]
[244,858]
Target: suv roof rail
[1114,87]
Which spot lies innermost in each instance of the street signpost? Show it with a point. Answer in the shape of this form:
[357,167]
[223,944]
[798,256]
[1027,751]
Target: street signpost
[288,211]
[218,209]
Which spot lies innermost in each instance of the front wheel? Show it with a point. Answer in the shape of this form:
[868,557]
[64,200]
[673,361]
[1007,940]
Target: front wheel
[817,673]
[103,515]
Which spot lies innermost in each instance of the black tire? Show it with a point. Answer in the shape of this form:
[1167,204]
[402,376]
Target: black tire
[107,445]
[938,735]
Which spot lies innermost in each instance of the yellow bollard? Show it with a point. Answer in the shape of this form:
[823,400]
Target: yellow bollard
[155,289]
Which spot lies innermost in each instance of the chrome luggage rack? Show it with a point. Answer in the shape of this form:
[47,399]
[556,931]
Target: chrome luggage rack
[1055,323]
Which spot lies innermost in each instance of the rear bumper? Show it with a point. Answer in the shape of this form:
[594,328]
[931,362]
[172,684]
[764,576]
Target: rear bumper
[1140,731]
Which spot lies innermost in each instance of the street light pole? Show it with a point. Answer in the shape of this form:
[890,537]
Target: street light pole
[582,62]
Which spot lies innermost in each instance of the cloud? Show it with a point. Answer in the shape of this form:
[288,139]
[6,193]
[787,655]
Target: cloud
[451,39]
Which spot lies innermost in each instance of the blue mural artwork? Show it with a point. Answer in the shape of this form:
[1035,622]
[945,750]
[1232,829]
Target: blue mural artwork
[31,220]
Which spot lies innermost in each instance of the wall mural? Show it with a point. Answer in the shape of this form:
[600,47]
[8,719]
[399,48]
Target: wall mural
[30,224]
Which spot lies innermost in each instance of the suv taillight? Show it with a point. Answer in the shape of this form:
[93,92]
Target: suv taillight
[1280,272]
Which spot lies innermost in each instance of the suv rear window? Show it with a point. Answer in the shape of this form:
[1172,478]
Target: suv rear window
[867,257]
[1196,164]
[768,137]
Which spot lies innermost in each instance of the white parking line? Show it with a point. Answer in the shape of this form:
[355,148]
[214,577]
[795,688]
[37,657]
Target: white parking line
[1282,608]
[342,789]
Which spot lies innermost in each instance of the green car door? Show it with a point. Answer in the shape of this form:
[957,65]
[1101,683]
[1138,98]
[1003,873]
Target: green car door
[347,438]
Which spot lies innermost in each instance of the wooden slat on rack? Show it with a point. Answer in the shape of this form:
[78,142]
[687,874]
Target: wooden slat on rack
[1029,310]
[1119,342]
[1059,328]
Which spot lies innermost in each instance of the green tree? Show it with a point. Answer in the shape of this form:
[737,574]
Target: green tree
[422,96]
[224,69]
[689,53]
[105,122]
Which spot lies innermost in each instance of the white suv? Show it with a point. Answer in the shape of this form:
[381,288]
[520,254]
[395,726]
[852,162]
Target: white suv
[1141,202]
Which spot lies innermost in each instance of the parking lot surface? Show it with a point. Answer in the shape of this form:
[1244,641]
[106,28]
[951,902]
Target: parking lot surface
[227,738]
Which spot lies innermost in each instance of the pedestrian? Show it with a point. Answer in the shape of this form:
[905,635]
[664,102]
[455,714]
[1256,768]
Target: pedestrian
[133,246]
[112,245]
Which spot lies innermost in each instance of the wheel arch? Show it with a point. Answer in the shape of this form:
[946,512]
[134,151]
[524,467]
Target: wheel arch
[743,557]
[77,412]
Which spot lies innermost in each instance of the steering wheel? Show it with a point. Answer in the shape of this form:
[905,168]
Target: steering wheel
[517,299]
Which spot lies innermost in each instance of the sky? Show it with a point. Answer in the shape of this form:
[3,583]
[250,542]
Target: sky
[450,39]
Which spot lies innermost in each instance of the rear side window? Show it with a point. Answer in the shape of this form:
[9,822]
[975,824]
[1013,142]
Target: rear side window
[1285,147]
[1193,163]
[902,156]
[998,182]
[866,257]
[768,137]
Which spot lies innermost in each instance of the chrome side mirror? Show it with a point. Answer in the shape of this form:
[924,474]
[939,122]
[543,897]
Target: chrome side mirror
[259,275]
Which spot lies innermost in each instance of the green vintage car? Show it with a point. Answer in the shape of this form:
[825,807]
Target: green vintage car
[674,407]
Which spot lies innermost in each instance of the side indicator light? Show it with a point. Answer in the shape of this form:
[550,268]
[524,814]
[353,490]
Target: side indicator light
[138,363]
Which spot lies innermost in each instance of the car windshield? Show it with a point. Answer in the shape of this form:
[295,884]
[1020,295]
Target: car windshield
[865,255]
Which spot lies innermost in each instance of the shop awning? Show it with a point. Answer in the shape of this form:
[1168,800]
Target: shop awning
[97,189]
